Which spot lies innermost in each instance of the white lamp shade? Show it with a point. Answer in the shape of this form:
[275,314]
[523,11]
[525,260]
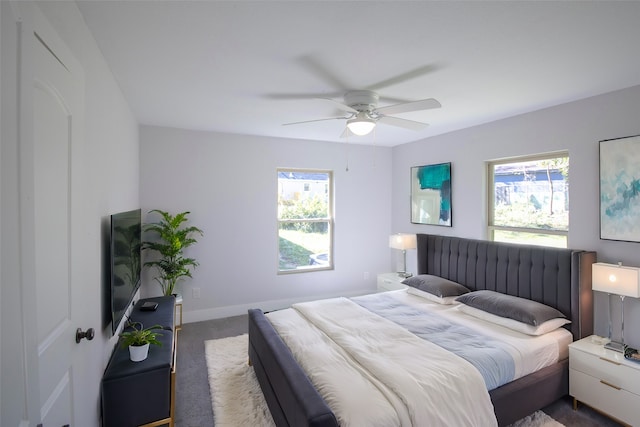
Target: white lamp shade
[616,279]
[403,241]
[361,124]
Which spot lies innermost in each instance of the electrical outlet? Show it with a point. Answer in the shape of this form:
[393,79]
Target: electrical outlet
[365,275]
[195,293]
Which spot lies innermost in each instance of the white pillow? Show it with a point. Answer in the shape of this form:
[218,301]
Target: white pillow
[432,297]
[548,326]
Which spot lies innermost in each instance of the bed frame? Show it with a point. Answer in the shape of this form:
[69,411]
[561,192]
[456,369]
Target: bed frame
[560,278]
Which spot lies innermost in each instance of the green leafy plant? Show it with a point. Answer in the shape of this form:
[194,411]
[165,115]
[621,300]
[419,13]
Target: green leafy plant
[310,208]
[173,239]
[137,335]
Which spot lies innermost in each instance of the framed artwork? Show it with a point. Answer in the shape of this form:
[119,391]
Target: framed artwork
[431,194]
[620,189]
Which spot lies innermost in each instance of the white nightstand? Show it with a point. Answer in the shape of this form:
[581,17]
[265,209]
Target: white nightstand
[604,380]
[390,282]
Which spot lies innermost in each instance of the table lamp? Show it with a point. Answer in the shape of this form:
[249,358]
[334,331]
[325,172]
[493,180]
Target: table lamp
[403,242]
[619,280]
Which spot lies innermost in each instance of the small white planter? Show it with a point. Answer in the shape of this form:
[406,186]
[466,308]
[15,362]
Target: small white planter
[137,353]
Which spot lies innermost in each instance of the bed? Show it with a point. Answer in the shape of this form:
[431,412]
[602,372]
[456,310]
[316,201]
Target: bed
[558,278]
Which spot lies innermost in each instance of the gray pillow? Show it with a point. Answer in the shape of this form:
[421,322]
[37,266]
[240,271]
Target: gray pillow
[435,285]
[520,309]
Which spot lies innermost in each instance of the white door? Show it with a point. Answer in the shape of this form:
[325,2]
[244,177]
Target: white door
[57,96]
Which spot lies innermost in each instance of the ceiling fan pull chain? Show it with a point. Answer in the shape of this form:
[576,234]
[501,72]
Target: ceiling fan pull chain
[347,150]
[375,148]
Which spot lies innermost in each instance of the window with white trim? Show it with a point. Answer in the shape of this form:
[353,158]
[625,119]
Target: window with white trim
[529,200]
[305,220]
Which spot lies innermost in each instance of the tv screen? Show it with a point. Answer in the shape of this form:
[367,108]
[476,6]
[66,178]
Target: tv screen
[125,268]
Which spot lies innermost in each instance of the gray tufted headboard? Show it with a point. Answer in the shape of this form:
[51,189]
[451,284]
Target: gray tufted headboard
[560,278]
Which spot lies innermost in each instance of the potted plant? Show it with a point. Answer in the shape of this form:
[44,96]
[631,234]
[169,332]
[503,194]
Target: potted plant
[138,338]
[173,239]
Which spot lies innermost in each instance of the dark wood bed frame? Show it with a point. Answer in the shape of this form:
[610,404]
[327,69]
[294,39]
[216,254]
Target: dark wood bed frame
[560,278]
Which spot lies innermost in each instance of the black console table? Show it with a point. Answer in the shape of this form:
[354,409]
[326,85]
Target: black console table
[143,393]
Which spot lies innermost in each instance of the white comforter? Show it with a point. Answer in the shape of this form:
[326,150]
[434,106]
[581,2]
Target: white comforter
[345,351]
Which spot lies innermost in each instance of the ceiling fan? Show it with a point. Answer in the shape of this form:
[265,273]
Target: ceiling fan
[364,113]
[361,106]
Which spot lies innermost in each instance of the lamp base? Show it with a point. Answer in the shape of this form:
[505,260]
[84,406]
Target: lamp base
[404,274]
[615,346]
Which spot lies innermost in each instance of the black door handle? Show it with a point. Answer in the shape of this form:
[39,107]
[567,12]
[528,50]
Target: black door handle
[88,335]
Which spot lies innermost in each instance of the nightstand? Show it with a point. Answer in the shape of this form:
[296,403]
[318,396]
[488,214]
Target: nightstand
[390,282]
[604,380]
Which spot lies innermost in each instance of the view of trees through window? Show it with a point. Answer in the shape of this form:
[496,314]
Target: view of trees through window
[529,200]
[304,220]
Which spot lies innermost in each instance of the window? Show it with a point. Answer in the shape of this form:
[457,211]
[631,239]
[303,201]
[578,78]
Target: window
[305,220]
[529,200]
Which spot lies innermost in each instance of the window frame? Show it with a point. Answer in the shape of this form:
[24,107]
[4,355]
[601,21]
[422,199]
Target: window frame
[329,191]
[491,227]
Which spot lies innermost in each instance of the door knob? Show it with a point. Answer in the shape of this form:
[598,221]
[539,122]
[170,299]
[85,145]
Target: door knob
[88,334]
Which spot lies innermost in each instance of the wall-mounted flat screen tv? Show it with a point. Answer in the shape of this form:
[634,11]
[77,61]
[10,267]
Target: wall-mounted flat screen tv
[125,267]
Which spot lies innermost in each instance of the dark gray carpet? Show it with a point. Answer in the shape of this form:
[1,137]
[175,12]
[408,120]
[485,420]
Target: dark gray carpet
[193,400]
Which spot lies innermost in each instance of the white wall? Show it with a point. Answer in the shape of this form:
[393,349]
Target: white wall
[109,181]
[229,184]
[576,127]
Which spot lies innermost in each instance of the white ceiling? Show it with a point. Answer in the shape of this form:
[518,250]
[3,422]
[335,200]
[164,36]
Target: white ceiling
[247,67]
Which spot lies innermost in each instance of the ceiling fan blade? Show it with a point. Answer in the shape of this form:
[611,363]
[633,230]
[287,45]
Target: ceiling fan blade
[403,123]
[424,104]
[311,121]
[302,95]
[425,69]
[393,100]
[317,69]
[341,106]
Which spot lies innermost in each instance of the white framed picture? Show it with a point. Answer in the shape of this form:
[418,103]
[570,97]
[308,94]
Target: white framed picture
[431,194]
[620,189]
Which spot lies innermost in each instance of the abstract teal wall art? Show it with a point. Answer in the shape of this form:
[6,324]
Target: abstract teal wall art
[431,194]
[620,189]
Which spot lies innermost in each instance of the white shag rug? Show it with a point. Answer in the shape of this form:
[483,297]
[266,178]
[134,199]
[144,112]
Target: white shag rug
[238,401]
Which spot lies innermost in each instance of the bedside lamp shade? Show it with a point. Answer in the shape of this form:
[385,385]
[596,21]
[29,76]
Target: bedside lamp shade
[616,279]
[619,280]
[402,241]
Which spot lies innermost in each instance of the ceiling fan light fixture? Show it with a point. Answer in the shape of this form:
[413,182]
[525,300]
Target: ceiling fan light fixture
[361,124]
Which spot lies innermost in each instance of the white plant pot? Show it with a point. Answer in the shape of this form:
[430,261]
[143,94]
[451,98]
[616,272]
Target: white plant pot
[137,353]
